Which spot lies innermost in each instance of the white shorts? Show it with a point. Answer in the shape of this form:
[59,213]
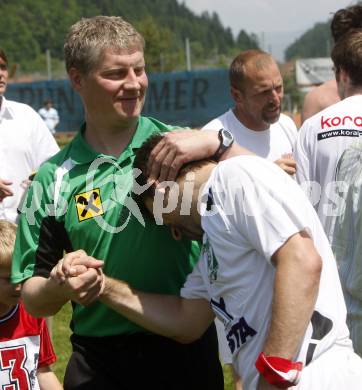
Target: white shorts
[338,369]
[224,351]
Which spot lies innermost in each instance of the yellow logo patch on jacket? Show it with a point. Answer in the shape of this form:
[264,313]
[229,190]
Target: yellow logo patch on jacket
[89,204]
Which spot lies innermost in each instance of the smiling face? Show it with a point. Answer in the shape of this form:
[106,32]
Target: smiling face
[114,91]
[3,76]
[258,100]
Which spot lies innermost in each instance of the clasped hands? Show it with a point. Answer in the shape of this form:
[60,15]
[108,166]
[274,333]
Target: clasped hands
[80,276]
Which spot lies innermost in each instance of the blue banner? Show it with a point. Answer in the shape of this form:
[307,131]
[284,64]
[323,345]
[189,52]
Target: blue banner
[178,98]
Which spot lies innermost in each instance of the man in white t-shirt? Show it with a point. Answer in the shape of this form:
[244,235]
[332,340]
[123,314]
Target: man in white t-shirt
[25,143]
[346,241]
[322,141]
[255,121]
[325,136]
[49,115]
[266,271]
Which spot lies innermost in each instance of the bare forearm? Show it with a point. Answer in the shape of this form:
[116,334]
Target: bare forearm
[167,315]
[294,296]
[43,297]
[47,379]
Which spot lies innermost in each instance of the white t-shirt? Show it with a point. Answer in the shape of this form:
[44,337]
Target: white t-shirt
[347,243]
[321,141]
[25,143]
[256,208]
[271,144]
[50,117]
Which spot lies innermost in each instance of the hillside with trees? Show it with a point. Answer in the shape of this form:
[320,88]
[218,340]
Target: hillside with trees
[316,42]
[30,27]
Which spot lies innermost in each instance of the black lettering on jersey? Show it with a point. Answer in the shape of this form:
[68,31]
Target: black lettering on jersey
[219,309]
[338,133]
[210,200]
[239,333]
[321,327]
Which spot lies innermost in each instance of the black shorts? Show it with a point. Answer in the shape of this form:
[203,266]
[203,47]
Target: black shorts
[141,361]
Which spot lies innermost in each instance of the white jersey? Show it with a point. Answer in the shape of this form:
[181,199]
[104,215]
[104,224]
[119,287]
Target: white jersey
[25,143]
[271,144]
[254,207]
[321,141]
[346,241]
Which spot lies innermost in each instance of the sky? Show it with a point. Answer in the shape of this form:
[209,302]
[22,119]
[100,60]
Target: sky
[278,23]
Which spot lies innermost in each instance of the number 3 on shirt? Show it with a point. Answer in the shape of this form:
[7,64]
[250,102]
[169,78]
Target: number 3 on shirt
[13,359]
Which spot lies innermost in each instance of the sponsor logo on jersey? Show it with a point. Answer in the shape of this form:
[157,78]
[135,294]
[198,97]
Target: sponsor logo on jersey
[337,120]
[239,333]
[219,308]
[89,204]
[338,133]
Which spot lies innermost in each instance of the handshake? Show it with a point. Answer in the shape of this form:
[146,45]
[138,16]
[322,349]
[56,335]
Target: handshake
[80,276]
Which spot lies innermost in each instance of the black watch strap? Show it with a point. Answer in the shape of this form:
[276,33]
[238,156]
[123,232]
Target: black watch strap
[226,140]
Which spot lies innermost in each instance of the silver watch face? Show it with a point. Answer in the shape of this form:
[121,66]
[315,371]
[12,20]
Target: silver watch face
[228,138]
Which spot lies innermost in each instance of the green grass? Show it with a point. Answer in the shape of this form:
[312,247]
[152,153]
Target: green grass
[61,343]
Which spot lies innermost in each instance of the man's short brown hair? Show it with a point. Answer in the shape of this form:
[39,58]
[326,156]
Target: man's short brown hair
[237,72]
[3,56]
[347,55]
[90,37]
[346,19]
[7,241]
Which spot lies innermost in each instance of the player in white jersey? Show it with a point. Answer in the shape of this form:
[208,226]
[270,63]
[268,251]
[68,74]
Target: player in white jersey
[266,271]
[346,242]
[324,137]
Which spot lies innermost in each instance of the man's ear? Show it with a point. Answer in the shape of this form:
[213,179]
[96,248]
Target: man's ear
[343,76]
[76,78]
[236,94]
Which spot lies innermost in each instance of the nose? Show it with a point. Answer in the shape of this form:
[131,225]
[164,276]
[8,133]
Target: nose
[275,97]
[131,81]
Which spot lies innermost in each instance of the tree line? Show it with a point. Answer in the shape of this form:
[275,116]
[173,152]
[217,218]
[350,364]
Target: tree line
[31,27]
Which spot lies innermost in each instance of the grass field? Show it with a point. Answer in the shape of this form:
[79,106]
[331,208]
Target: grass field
[61,333]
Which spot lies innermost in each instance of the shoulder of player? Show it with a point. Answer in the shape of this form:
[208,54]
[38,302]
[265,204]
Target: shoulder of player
[235,166]
[217,123]
[286,121]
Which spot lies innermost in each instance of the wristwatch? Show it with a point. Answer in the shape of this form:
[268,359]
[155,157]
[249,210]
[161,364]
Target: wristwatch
[226,140]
